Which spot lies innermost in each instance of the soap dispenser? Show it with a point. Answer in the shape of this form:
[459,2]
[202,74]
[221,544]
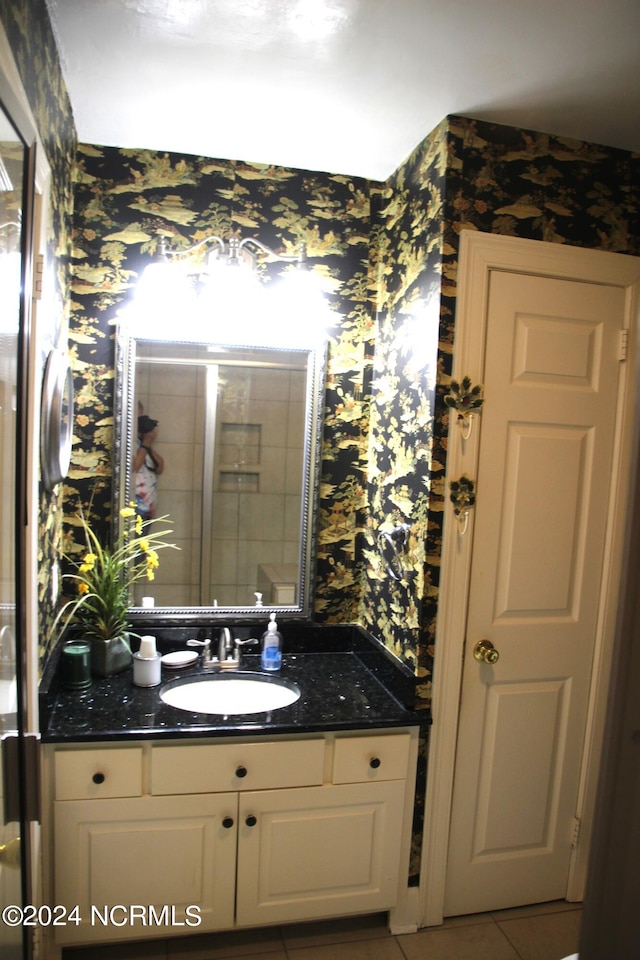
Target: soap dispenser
[271,658]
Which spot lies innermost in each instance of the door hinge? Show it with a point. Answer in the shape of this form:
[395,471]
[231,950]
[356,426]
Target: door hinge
[575,833]
[624,345]
[38,275]
[16,805]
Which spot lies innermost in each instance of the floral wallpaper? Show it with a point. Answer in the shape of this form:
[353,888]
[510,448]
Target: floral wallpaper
[124,200]
[28,29]
[409,266]
[465,175]
[390,253]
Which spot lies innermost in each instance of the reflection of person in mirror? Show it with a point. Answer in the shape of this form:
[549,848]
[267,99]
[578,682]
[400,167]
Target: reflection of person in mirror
[147,467]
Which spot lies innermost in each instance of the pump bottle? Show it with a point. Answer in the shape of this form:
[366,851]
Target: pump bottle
[271,658]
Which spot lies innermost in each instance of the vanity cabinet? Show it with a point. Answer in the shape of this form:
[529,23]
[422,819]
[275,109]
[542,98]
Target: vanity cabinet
[249,832]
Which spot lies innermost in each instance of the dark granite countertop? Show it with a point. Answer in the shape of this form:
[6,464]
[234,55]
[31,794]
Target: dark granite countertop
[348,681]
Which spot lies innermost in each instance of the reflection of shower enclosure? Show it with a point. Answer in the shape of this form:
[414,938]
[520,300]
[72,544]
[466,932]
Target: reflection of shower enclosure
[232,437]
[253,464]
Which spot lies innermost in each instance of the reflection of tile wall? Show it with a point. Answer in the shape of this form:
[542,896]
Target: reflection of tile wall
[260,444]
[174,395]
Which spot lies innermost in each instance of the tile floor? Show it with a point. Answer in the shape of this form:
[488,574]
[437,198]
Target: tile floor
[546,931]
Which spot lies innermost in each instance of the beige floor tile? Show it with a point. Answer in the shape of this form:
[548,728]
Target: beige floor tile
[378,949]
[208,955]
[535,909]
[467,920]
[548,937]
[153,950]
[320,932]
[480,941]
[265,943]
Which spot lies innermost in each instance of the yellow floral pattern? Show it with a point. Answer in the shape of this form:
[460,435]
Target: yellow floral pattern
[123,199]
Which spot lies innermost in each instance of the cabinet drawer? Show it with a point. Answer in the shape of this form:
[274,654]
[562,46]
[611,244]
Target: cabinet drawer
[210,768]
[88,774]
[359,759]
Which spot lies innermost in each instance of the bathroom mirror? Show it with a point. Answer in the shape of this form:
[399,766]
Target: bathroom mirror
[237,451]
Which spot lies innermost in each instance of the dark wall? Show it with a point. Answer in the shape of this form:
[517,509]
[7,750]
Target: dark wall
[466,175]
[123,198]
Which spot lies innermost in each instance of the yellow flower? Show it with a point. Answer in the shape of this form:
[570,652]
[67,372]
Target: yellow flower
[88,563]
[104,575]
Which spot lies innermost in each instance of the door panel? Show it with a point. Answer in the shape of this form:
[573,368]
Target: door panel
[14,155]
[346,841]
[154,851]
[525,726]
[551,374]
[543,523]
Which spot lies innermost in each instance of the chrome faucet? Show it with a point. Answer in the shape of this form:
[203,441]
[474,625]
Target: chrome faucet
[229,651]
[225,646]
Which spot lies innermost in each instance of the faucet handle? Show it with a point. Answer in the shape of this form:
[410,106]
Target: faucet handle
[243,643]
[206,644]
[246,643]
[207,659]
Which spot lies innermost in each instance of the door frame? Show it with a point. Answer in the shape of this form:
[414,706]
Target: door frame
[480,253]
[15,99]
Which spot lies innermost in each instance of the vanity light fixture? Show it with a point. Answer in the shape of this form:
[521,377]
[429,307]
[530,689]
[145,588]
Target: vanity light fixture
[233,251]
[222,298]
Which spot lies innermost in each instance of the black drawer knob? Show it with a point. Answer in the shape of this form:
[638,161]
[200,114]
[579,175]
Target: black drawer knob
[241,772]
[251,820]
[98,777]
[375,762]
[227,823]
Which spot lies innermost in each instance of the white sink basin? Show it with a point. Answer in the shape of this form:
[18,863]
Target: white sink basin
[226,695]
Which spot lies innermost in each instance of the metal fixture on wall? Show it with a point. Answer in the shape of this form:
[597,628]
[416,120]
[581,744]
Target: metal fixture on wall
[467,400]
[393,544]
[233,251]
[213,290]
[462,494]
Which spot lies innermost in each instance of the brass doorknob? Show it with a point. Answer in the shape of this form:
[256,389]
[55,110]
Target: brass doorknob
[485,651]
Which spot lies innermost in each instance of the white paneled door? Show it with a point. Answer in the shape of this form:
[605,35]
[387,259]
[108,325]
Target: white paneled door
[544,485]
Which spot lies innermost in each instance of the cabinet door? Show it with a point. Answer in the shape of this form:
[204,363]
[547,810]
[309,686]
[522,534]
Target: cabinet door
[318,851]
[160,852]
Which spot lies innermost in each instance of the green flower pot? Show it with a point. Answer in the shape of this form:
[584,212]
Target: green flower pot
[110,656]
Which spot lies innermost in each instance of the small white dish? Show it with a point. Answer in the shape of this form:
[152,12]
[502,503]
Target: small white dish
[179,659]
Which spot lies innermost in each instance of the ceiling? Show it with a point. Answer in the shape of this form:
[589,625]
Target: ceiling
[344,86]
